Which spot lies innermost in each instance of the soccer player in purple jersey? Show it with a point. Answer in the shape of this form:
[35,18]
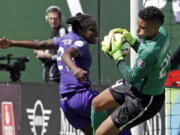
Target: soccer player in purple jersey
[74,60]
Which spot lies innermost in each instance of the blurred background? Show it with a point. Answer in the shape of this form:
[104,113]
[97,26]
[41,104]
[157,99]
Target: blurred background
[25,20]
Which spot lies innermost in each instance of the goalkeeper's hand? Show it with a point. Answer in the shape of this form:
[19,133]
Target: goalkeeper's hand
[125,35]
[129,37]
[112,46]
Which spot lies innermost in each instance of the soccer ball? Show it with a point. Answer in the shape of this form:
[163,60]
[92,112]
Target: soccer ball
[126,46]
[117,36]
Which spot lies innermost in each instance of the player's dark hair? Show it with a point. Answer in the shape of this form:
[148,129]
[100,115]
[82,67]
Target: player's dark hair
[152,13]
[80,21]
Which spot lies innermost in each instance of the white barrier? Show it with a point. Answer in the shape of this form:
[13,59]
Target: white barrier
[66,128]
[153,126]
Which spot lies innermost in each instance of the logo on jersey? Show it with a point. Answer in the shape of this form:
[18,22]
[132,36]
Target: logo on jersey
[141,63]
[79,43]
[39,118]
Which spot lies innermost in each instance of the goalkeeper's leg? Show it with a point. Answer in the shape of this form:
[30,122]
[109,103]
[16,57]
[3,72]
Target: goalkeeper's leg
[98,117]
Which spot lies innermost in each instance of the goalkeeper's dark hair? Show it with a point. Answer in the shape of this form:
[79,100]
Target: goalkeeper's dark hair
[152,13]
[80,21]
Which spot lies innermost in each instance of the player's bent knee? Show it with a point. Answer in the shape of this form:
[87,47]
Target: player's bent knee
[100,102]
[96,105]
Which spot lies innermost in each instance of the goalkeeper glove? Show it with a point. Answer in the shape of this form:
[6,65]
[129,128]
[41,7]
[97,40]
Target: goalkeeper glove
[117,55]
[125,35]
[112,46]
[129,37]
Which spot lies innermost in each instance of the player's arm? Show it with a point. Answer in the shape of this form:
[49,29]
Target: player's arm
[67,58]
[136,45]
[141,68]
[45,44]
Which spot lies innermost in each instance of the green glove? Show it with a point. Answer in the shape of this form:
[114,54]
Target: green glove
[125,35]
[117,55]
[112,44]
[129,37]
[106,44]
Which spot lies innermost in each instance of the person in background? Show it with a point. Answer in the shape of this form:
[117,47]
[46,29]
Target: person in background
[175,59]
[173,78]
[49,57]
[140,94]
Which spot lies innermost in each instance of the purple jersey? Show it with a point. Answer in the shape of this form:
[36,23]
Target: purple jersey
[68,83]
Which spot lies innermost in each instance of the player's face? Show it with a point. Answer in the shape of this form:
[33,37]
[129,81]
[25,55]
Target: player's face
[53,19]
[147,29]
[90,33]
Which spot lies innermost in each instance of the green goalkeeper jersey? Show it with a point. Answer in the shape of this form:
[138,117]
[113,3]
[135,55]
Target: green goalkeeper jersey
[152,64]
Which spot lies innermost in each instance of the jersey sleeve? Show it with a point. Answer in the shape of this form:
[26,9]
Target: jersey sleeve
[136,45]
[56,42]
[142,67]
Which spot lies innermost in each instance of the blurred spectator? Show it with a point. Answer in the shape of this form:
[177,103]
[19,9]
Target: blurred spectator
[175,59]
[48,57]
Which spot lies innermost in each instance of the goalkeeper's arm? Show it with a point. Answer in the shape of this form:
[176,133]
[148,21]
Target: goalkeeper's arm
[136,45]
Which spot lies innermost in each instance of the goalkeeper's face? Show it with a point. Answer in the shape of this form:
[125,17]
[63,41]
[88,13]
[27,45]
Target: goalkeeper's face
[147,29]
[90,33]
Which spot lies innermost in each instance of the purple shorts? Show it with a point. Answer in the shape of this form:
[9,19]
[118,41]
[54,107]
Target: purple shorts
[77,108]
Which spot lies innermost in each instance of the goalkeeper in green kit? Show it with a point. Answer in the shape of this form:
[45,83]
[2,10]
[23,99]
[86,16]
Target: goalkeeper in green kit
[140,94]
